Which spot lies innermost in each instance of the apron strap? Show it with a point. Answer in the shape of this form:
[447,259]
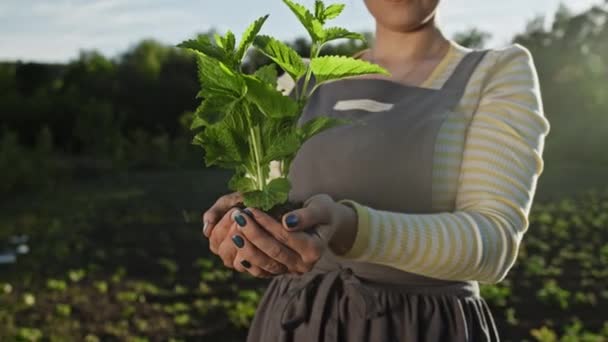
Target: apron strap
[456,84]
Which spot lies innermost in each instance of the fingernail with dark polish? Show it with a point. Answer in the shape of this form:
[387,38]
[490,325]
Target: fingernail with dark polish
[248,212]
[245,263]
[238,241]
[291,220]
[240,220]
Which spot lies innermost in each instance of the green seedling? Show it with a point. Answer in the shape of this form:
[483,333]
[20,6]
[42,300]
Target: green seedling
[246,124]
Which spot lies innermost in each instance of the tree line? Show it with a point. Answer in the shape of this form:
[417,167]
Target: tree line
[88,102]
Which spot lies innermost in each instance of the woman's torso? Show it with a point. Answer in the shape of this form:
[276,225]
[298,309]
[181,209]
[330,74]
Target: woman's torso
[396,161]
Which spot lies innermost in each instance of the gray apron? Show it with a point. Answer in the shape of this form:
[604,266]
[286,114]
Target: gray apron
[386,162]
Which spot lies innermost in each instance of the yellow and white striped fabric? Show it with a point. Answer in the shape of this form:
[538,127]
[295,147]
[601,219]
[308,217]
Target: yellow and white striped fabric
[488,157]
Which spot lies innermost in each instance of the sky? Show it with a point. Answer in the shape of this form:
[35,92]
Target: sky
[57,30]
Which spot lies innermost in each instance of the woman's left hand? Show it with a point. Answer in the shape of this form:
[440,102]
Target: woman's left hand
[322,223]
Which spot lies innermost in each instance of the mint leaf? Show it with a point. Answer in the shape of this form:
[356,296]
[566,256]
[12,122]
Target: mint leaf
[249,36]
[332,67]
[217,79]
[219,40]
[319,124]
[197,122]
[272,129]
[269,100]
[333,33]
[212,110]
[268,73]
[229,42]
[320,11]
[240,182]
[318,31]
[282,146]
[333,11]
[203,45]
[237,120]
[311,24]
[280,185]
[286,57]
[222,146]
[276,192]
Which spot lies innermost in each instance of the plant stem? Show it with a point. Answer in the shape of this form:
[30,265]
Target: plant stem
[260,151]
[314,51]
[255,142]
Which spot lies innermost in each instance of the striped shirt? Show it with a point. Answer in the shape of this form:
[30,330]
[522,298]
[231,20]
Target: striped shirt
[486,165]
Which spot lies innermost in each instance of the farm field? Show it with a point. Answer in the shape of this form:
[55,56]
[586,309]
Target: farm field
[121,258]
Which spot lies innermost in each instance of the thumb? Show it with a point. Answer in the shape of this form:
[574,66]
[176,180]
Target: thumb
[315,212]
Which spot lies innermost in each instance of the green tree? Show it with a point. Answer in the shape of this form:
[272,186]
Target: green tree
[572,62]
[472,38]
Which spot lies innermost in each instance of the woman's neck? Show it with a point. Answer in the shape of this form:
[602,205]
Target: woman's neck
[399,48]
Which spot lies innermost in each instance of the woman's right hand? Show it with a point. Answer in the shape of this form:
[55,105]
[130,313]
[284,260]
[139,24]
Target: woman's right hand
[220,227]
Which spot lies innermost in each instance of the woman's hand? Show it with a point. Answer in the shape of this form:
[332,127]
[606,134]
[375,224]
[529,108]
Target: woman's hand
[333,225]
[222,230]
[263,246]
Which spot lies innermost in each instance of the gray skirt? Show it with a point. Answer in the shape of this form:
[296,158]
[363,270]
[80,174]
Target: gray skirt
[338,305]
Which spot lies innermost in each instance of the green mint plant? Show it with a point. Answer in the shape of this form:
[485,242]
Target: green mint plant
[248,123]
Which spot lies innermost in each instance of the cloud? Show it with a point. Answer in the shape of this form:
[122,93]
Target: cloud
[57,30]
[106,15]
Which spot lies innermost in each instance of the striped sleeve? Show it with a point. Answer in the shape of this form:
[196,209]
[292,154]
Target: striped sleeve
[501,162]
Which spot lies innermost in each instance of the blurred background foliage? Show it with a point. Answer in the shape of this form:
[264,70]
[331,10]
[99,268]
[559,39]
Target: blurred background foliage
[111,109]
[101,196]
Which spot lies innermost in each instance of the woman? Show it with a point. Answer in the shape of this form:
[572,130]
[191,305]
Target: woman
[409,212]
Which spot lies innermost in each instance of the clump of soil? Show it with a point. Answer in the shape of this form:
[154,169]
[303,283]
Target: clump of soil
[279,210]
